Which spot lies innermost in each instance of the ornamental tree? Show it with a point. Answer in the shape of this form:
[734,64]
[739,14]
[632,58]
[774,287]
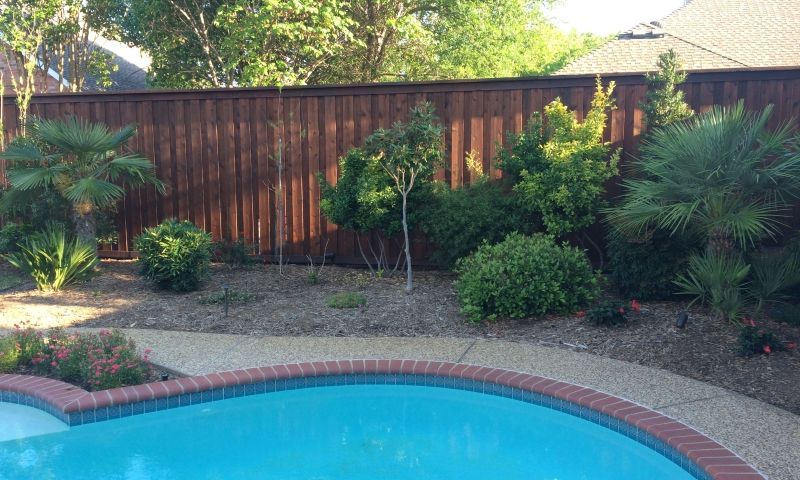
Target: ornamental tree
[409,153]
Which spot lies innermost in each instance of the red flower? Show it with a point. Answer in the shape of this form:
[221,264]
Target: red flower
[635,305]
[767,349]
[580,314]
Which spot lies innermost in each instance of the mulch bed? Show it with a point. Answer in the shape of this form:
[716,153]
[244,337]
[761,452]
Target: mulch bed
[288,304]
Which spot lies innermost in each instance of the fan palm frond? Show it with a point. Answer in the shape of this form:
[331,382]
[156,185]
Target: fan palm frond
[721,172]
[35,177]
[94,191]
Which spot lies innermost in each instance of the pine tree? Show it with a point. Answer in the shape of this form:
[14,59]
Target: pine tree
[664,103]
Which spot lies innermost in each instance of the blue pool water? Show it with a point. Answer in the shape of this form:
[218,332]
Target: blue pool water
[355,432]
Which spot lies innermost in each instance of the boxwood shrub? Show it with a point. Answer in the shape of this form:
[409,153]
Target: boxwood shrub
[175,255]
[646,268]
[524,276]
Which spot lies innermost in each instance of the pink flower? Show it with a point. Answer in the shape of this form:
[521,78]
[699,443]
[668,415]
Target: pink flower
[621,310]
[53,364]
[767,349]
[635,305]
[749,322]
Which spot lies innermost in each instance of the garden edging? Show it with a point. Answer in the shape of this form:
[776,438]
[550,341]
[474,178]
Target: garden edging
[670,437]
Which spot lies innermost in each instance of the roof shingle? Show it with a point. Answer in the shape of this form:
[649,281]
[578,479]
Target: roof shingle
[707,34]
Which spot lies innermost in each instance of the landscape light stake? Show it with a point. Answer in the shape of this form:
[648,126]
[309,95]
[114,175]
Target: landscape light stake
[682,319]
[164,376]
[226,289]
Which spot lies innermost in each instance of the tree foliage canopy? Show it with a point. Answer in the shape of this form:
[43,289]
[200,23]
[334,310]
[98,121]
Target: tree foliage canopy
[201,43]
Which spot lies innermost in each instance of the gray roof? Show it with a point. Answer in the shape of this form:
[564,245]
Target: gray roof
[707,34]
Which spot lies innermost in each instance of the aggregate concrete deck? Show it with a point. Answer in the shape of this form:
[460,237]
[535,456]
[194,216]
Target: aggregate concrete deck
[763,435]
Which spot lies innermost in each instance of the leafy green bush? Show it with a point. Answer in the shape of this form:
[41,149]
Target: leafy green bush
[53,259]
[787,313]
[524,276]
[29,342]
[559,171]
[9,354]
[175,255]
[754,340]
[458,221]
[233,254]
[608,313]
[347,300]
[646,268]
[11,235]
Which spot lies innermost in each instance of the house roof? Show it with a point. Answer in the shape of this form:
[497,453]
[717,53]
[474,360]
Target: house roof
[131,73]
[706,34]
[10,68]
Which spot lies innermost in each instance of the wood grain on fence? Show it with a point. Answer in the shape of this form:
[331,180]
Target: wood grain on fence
[217,150]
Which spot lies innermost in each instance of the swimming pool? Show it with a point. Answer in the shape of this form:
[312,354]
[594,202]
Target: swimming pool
[353,432]
[356,419]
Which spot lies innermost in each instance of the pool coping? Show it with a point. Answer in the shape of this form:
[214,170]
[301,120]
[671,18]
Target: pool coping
[76,406]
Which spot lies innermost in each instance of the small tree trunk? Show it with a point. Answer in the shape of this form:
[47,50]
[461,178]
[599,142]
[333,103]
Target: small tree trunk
[85,225]
[409,274]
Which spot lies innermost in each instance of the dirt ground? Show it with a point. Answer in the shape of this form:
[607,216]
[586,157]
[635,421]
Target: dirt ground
[289,304]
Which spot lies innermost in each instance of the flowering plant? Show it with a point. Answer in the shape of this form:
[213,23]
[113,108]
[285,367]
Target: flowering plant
[95,361]
[754,339]
[611,312]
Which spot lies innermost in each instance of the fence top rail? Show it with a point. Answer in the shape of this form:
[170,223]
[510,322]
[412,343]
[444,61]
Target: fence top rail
[432,86]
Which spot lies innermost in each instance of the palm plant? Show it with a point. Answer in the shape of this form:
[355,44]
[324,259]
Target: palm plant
[721,175]
[84,162]
[53,259]
[725,178]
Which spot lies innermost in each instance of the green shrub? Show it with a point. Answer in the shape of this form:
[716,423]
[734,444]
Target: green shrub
[175,255]
[29,342]
[559,170]
[53,259]
[233,297]
[524,276]
[9,354]
[233,254]
[646,268]
[608,313]
[786,313]
[754,340]
[458,221]
[347,300]
[11,235]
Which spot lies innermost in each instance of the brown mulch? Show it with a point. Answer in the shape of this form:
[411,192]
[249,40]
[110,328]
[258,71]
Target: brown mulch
[288,304]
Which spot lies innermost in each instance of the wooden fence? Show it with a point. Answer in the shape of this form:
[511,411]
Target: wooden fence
[216,149]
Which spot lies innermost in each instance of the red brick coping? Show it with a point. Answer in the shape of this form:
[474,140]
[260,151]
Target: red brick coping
[65,401]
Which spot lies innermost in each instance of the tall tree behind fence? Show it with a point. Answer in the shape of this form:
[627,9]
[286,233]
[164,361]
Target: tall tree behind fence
[217,150]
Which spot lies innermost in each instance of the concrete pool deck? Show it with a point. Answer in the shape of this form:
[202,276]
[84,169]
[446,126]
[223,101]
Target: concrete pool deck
[763,435]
